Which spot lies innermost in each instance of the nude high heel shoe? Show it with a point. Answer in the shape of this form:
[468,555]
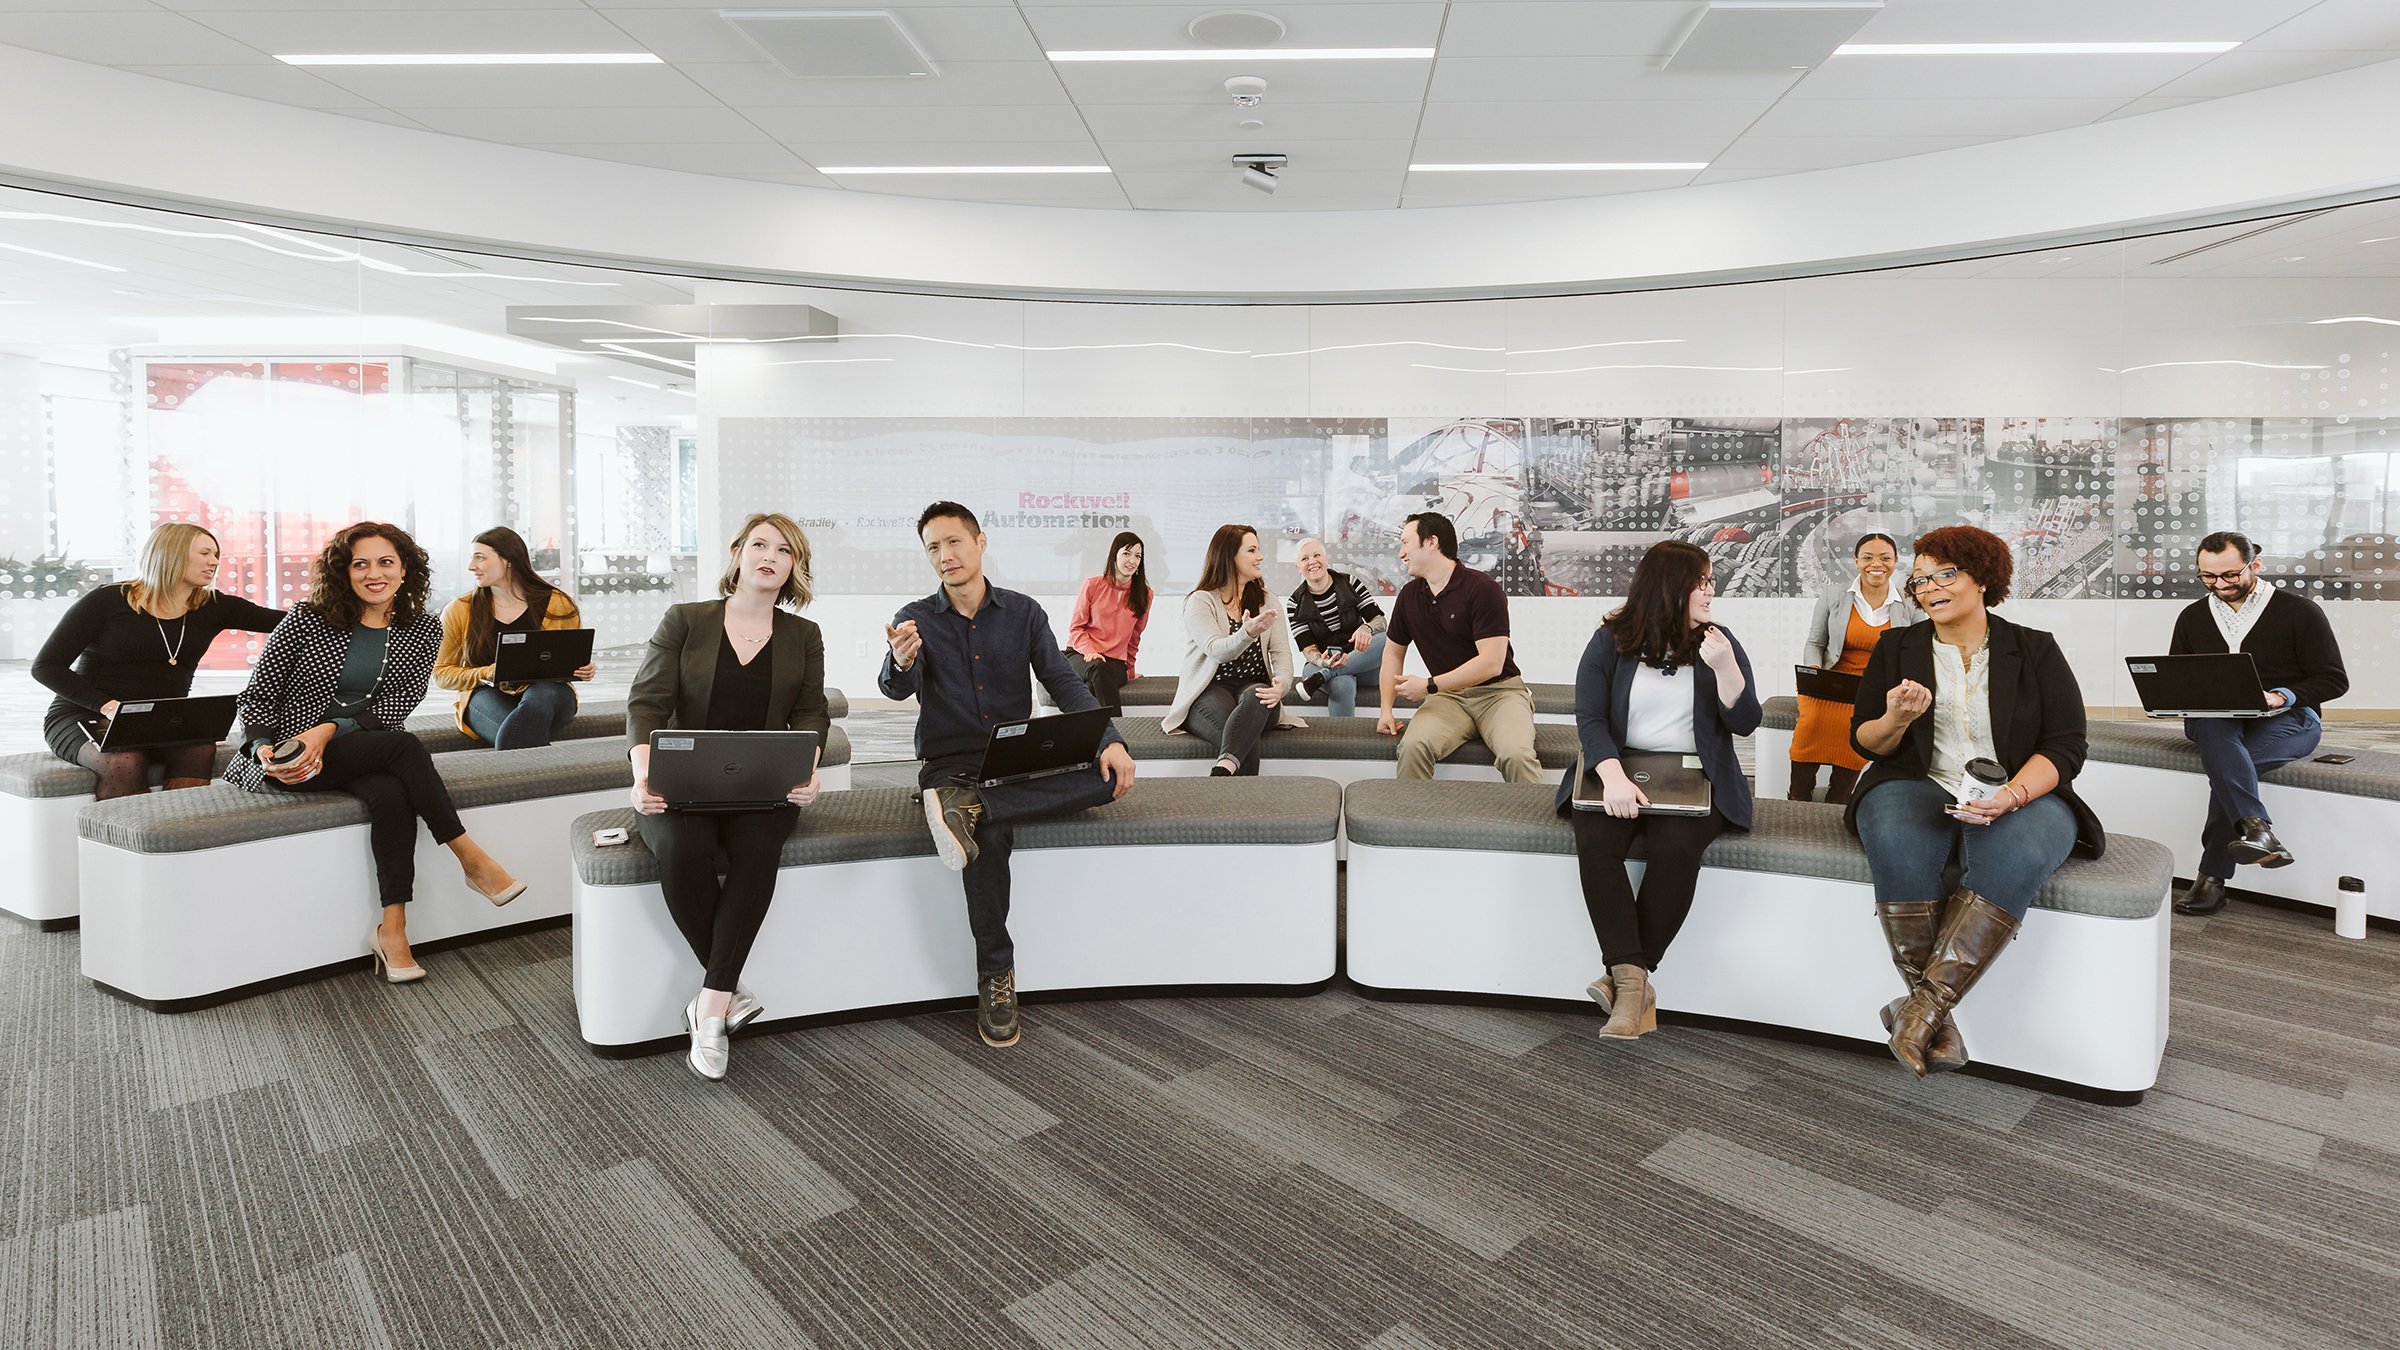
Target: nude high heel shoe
[391,974]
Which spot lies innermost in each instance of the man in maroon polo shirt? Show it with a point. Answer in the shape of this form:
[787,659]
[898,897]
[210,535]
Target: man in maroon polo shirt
[1457,618]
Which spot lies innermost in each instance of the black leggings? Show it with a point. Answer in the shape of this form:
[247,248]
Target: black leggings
[392,773]
[719,920]
[126,773]
[1803,786]
[1636,931]
[1233,720]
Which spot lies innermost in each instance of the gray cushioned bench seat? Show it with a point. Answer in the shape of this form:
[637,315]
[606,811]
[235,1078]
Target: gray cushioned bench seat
[869,823]
[1332,738]
[1158,691]
[1781,713]
[40,774]
[595,718]
[1790,838]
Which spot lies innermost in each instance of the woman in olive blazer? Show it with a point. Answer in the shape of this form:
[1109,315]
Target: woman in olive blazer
[743,663]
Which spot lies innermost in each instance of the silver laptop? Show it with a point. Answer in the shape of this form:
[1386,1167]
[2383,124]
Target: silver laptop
[730,770]
[1675,784]
[2199,684]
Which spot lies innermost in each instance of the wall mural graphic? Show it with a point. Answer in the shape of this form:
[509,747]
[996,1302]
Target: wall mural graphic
[2095,507]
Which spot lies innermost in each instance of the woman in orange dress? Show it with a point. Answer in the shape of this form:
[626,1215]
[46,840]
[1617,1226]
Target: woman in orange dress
[1841,634]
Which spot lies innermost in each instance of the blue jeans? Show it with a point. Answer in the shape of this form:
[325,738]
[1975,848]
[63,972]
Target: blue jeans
[1910,843]
[2233,752]
[1341,686]
[521,721]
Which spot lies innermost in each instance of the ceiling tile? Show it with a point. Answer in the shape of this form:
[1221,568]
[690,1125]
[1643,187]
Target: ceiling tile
[464,29]
[1556,79]
[1265,203]
[2079,21]
[986,126]
[1293,82]
[1646,28]
[975,83]
[383,115]
[1529,185]
[2151,105]
[1713,174]
[995,33]
[825,151]
[218,6]
[1312,121]
[2240,72]
[1193,157]
[273,81]
[124,38]
[2334,26]
[1579,150]
[1931,117]
[1118,26]
[1299,184]
[738,160]
[1824,152]
[1989,77]
[1691,120]
[796,178]
[1094,188]
[520,86]
[561,126]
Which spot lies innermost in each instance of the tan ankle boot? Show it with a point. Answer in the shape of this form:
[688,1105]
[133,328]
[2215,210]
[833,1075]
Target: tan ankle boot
[1636,1009]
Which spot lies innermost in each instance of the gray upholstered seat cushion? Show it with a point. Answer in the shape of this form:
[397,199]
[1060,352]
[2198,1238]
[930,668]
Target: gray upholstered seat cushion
[1553,698]
[2161,745]
[42,774]
[221,814]
[1149,691]
[1332,738]
[1791,839]
[888,823]
[1781,713]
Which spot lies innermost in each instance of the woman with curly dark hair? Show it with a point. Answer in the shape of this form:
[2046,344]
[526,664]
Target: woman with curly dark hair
[1973,729]
[324,710]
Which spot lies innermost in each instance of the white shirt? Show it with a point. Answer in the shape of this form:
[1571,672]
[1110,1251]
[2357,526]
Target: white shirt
[2235,624]
[1962,712]
[1878,615]
[1658,715]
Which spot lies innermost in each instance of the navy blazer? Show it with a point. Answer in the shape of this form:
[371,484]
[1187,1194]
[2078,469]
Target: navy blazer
[1604,693]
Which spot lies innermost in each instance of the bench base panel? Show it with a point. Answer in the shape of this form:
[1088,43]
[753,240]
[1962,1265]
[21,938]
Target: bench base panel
[37,835]
[324,972]
[2076,999]
[888,933]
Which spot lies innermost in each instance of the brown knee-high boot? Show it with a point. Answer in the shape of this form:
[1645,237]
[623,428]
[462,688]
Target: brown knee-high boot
[1910,927]
[1973,932]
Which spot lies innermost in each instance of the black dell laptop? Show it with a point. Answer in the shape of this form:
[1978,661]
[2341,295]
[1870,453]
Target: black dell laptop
[2200,684]
[153,723]
[730,770]
[544,654]
[1830,685]
[1042,747]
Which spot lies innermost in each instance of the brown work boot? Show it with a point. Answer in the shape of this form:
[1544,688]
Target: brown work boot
[1973,932]
[952,813]
[996,1009]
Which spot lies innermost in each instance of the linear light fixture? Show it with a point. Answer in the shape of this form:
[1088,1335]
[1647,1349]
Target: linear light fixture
[1251,54]
[965,168]
[1629,167]
[468,59]
[2034,48]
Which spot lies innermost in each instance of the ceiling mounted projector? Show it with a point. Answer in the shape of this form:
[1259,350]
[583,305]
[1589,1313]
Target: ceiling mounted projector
[1258,171]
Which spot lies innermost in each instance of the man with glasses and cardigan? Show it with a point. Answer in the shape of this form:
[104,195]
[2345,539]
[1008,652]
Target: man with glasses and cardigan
[2300,664]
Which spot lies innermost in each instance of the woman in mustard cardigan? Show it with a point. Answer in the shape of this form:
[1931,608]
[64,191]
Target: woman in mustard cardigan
[510,597]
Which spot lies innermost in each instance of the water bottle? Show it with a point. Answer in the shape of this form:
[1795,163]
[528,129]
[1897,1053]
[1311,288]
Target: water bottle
[2350,908]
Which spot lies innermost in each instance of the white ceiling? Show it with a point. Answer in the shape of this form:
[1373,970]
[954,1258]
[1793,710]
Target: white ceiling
[1514,81]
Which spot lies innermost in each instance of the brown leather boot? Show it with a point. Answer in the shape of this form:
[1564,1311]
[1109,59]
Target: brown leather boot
[1636,1009]
[1973,932]
[1910,927]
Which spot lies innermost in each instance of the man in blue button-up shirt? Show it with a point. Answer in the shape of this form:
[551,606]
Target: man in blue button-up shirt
[968,653]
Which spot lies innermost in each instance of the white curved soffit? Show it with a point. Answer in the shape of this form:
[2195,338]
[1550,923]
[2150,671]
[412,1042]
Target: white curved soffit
[111,133]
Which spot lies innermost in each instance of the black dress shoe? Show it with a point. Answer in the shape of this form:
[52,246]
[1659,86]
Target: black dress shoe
[1311,687]
[2206,895]
[2256,843]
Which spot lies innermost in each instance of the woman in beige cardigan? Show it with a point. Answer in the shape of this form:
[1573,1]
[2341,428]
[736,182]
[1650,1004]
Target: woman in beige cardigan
[1237,665]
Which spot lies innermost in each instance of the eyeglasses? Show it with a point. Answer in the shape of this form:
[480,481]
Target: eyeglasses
[1945,578]
[2212,578]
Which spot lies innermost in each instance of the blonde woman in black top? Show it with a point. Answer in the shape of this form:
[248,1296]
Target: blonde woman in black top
[741,663]
[140,639]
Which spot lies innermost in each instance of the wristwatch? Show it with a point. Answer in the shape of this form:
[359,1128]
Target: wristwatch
[1431,687]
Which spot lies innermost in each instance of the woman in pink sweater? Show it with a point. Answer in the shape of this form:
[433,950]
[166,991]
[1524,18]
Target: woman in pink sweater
[1110,612]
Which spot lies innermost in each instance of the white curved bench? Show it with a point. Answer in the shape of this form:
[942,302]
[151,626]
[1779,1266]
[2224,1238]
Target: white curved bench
[40,795]
[1470,889]
[1133,896]
[2144,778]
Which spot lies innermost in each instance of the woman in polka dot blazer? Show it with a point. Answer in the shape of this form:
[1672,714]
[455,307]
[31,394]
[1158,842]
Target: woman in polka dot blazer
[324,710]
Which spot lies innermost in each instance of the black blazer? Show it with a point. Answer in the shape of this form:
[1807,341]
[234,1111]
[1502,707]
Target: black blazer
[679,671]
[2037,709]
[1604,695]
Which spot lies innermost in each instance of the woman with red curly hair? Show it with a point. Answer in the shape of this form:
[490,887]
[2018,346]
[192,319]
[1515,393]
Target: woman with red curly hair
[1974,730]
[324,710]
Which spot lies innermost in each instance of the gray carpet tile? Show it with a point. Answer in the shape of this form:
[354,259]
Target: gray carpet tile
[445,1164]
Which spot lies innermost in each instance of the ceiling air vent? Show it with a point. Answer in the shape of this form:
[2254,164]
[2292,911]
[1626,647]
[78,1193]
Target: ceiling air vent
[833,44]
[1769,34]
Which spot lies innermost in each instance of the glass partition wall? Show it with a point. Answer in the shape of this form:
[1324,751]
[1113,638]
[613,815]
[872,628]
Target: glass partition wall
[2101,407]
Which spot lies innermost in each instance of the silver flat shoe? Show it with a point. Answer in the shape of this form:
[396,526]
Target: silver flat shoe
[744,1010]
[710,1052]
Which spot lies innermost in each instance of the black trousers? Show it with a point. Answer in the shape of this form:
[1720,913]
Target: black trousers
[392,773]
[1803,787]
[1635,930]
[1233,720]
[719,919]
[987,878]
[1104,676]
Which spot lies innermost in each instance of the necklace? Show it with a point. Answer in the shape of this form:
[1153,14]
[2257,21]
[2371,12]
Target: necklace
[183,627]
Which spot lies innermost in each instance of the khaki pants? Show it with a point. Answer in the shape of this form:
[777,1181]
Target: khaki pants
[1499,714]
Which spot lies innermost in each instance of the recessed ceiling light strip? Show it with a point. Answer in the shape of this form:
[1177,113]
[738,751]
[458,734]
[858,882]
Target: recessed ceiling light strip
[1251,54]
[2034,48]
[468,59]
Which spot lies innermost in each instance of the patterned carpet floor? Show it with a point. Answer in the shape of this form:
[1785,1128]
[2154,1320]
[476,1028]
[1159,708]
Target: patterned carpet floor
[346,1164]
